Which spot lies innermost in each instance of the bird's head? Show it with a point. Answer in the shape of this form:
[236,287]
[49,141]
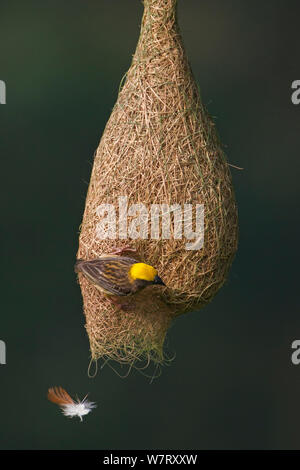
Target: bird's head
[144,275]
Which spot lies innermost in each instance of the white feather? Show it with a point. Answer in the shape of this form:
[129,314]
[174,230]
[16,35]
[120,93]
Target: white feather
[80,409]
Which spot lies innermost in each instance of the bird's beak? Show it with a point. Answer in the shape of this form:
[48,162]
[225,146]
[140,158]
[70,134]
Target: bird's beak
[158,280]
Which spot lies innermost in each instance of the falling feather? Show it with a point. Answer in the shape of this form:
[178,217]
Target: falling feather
[69,407]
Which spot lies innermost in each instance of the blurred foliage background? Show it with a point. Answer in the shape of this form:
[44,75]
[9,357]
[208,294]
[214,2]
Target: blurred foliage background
[232,384]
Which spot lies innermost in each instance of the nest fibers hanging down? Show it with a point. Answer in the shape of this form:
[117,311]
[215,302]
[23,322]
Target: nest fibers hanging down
[160,183]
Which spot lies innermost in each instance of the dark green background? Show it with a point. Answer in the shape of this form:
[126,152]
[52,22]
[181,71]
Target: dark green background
[232,383]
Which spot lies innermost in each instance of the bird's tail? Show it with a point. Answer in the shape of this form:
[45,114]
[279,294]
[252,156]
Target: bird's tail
[77,267]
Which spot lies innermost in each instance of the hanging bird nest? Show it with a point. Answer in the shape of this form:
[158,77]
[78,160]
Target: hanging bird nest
[160,150]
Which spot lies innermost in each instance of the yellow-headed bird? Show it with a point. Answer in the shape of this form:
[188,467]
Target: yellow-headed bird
[118,275]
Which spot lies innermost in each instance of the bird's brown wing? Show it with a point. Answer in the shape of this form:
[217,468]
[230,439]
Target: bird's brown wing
[109,273]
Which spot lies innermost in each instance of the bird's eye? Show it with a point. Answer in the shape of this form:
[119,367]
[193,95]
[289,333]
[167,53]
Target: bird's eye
[158,280]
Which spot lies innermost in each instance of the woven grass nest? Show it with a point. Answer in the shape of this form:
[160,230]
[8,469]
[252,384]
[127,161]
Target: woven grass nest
[159,147]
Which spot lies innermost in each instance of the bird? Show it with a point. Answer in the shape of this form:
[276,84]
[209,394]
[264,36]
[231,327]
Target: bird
[118,276]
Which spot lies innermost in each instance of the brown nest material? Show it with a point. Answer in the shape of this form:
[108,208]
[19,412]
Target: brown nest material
[159,147]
